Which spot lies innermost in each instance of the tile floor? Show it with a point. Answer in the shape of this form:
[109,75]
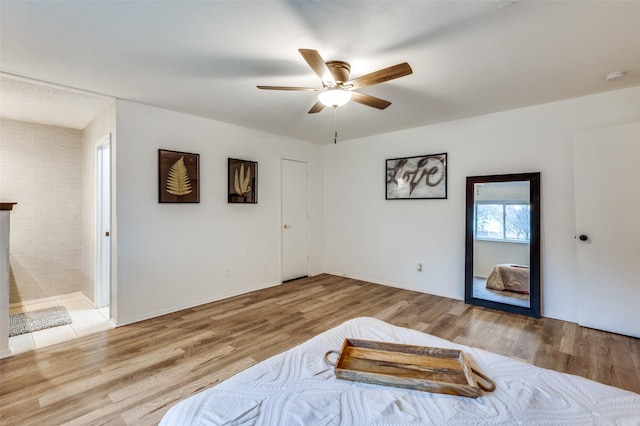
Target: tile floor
[85,320]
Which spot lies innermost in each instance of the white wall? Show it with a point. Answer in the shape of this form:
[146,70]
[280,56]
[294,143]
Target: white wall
[380,240]
[172,256]
[489,253]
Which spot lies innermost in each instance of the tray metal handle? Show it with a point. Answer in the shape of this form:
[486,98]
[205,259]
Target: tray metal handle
[492,384]
[328,361]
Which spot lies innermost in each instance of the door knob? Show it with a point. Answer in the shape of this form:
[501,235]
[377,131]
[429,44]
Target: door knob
[287,226]
[583,237]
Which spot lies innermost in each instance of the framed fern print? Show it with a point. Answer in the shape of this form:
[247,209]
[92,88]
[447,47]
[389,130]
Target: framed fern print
[178,177]
[242,181]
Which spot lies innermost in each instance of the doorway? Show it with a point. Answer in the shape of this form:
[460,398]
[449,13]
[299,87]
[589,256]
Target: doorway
[75,241]
[102,285]
[295,219]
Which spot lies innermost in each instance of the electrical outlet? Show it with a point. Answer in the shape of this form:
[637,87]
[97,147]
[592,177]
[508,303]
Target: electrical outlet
[419,267]
[226,271]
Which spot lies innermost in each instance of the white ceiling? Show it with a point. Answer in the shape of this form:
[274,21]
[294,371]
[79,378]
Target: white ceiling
[206,57]
[37,102]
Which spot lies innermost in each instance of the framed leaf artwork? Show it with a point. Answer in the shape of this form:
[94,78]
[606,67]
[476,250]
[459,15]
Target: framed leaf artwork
[242,181]
[178,177]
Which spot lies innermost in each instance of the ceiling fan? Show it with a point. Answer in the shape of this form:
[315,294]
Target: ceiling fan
[337,89]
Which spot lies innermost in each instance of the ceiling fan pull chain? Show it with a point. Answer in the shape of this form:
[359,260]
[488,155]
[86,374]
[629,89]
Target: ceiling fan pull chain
[335,124]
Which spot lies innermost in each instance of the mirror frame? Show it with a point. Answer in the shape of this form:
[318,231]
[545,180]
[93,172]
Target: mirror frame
[534,246]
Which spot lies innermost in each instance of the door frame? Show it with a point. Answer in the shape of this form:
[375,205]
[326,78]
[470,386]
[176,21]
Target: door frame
[102,281]
[308,221]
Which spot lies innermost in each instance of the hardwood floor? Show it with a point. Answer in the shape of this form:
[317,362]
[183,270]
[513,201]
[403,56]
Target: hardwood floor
[133,374]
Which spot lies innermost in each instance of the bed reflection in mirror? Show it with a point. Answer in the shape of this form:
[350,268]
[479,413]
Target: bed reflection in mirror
[502,242]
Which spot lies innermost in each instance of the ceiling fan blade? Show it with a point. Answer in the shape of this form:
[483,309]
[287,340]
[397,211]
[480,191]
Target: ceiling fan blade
[318,65]
[317,107]
[380,76]
[369,100]
[304,89]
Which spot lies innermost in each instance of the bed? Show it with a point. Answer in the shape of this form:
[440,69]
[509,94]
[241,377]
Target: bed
[509,277]
[297,387]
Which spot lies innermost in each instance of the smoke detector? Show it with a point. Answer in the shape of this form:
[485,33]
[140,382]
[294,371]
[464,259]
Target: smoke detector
[615,76]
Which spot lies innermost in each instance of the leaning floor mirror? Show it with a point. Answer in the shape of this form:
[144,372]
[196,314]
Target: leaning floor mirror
[502,265]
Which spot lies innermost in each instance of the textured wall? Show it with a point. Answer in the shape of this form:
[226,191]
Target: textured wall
[41,169]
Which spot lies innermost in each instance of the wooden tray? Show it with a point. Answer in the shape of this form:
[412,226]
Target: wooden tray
[413,367]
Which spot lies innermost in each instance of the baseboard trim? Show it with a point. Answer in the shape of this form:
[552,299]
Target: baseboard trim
[396,285]
[173,309]
[553,315]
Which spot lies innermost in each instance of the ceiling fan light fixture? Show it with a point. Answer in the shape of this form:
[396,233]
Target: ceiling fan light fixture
[335,97]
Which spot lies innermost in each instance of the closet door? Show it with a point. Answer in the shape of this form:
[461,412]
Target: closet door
[295,220]
[607,182]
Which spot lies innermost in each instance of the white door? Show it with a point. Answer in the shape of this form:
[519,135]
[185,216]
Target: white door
[295,220]
[607,182]
[103,223]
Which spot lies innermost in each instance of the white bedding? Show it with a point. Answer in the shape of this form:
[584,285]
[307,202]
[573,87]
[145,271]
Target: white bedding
[296,387]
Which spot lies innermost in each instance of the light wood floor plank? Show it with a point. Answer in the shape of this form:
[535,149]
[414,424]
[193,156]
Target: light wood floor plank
[132,375]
